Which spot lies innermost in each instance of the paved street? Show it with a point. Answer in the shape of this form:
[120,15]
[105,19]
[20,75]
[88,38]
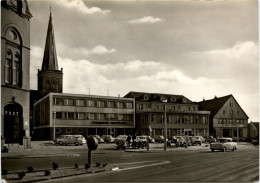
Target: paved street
[196,164]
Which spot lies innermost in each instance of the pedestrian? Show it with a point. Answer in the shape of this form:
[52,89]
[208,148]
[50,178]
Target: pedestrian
[147,142]
[128,140]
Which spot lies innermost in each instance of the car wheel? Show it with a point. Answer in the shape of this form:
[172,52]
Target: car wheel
[60,142]
[234,148]
[212,150]
[76,143]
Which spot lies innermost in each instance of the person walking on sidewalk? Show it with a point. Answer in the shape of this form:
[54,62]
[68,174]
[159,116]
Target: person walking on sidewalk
[147,142]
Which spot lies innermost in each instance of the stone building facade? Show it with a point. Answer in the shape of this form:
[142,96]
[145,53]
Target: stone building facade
[15,71]
[183,116]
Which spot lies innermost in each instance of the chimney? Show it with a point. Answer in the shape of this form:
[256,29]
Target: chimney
[215,97]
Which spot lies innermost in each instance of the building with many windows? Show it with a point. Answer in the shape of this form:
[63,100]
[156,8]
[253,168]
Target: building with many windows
[227,118]
[82,114]
[15,72]
[183,116]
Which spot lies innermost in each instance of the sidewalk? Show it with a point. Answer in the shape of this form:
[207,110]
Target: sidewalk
[38,149]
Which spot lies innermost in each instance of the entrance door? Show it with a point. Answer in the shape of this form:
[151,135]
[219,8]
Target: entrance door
[13,123]
[227,133]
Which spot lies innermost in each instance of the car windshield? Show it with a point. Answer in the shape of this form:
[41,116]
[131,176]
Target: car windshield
[224,140]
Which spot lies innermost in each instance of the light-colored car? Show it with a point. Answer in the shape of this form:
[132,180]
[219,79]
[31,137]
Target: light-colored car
[223,144]
[141,138]
[108,138]
[71,139]
[200,138]
[100,140]
[120,138]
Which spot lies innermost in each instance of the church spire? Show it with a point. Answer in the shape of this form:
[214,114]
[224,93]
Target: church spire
[50,61]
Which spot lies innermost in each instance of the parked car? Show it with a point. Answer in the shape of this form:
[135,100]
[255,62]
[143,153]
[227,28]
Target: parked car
[120,138]
[210,139]
[141,138]
[201,138]
[71,139]
[255,141]
[181,142]
[158,138]
[100,140]
[108,138]
[187,140]
[195,140]
[223,144]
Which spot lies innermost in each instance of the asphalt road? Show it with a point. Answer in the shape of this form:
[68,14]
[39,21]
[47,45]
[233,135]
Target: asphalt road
[182,165]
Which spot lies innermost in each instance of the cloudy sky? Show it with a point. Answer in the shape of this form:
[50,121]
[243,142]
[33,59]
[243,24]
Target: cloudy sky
[195,48]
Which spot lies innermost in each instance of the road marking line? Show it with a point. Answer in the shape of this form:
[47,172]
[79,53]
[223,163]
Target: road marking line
[165,162]
[132,163]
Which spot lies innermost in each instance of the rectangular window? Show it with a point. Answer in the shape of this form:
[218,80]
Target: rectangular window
[128,117]
[80,130]
[70,115]
[57,130]
[120,116]
[102,116]
[81,102]
[58,101]
[68,130]
[81,115]
[91,115]
[58,115]
[173,107]
[129,105]
[101,104]
[111,104]
[69,102]
[152,118]
[141,107]
[110,116]
[91,103]
[224,112]
[194,108]
[120,105]
[188,108]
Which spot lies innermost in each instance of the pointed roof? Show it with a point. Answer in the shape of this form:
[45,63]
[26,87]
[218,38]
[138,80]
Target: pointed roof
[50,61]
[214,105]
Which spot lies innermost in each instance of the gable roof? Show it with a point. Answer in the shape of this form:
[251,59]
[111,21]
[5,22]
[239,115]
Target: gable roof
[213,105]
[157,97]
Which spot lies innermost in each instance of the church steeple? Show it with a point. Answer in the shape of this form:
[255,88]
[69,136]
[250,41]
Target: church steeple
[50,77]
[50,61]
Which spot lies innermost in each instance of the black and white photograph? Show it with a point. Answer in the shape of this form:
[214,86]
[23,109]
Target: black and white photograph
[129,91]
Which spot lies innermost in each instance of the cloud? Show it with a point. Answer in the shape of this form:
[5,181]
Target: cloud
[79,5]
[101,50]
[146,20]
[82,52]
[241,51]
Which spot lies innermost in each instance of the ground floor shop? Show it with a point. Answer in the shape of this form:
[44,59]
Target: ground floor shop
[176,131]
[233,132]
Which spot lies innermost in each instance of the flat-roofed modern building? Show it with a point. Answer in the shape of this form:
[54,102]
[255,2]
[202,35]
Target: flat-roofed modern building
[82,114]
[183,116]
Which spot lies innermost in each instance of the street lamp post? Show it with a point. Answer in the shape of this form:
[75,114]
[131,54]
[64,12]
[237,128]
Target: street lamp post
[165,126]
[237,131]
[54,117]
